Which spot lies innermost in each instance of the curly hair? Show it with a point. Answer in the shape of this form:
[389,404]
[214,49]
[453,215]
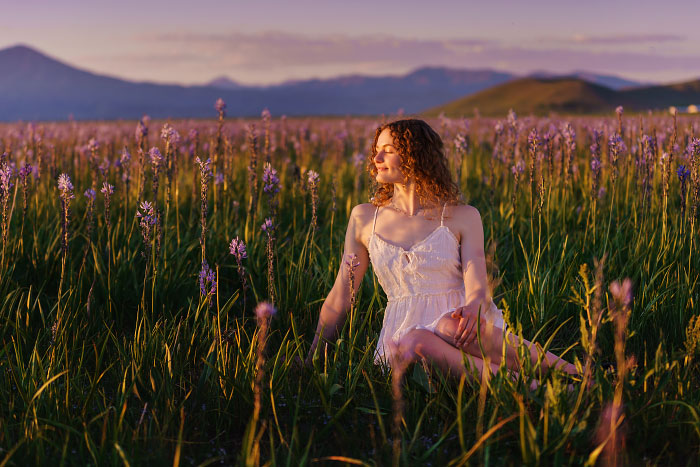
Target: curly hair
[422,159]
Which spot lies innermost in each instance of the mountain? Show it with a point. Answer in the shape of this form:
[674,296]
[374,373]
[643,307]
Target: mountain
[678,95]
[540,96]
[34,86]
[609,81]
[223,82]
[413,92]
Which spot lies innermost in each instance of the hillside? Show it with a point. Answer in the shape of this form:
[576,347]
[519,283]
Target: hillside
[568,95]
[535,96]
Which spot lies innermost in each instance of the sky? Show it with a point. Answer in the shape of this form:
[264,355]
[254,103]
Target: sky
[266,42]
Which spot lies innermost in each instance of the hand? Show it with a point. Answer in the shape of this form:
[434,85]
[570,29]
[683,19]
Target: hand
[466,329]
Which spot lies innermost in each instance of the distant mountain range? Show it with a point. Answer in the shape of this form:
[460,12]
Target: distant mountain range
[34,86]
[567,95]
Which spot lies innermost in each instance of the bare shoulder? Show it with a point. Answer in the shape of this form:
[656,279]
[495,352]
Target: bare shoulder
[360,222]
[465,222]
[362,210]
[464,215]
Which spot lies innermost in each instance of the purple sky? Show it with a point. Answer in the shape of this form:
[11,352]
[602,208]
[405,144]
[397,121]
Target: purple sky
[265,42]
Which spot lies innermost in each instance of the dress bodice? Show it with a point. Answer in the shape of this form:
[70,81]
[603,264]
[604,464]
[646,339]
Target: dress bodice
[430,266]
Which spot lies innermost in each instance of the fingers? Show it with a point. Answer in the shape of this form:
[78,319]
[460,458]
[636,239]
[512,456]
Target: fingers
[468,335]
[466,331]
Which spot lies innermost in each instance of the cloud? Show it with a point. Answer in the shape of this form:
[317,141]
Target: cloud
[273,57]
[622,39]
[275,49]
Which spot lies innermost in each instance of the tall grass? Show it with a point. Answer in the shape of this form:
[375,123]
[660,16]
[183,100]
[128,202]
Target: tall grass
[145,369]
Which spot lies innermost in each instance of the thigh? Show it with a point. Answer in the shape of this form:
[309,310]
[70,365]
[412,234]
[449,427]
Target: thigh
[490,337]
[422,344]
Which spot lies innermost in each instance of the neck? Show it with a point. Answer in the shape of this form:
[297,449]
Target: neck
[406,198]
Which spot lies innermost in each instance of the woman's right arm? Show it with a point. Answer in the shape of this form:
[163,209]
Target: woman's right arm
[337,303]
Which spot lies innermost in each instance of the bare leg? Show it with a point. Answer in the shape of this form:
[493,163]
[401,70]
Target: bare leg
[492,343]
[419,343]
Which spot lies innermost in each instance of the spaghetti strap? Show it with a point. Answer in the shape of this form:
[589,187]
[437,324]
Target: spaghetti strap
[375,220]
[442,217]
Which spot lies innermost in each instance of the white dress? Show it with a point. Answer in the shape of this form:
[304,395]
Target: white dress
[422,284]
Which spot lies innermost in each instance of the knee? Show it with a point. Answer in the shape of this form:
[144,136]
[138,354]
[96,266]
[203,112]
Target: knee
[411,346]
[447,328]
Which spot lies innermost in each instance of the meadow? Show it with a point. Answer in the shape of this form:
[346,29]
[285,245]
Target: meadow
[137,258]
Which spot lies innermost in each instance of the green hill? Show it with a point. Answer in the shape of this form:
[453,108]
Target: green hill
[541,96]
[536,96]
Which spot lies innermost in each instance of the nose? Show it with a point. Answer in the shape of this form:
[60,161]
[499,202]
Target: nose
[379,157]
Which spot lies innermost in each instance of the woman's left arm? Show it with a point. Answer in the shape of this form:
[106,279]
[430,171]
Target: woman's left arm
[476,286]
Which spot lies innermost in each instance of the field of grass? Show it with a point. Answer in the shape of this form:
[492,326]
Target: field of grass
[117,349]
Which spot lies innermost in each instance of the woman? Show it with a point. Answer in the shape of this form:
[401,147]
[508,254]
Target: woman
[427,250]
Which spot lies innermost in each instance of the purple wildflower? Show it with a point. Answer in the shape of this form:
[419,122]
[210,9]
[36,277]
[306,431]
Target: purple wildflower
[207,281]
[142,130]
[313,187]
[66,188]
[107,190]
[5,178]
[616,146]
[271,186]
[534,143]
[148,222]
[622,293]
[461,143]
[266,127]
[265,310]
[518,168]
[156,156]
[193,138]
[270,180]
[220,107]
[5,185]
[595,161]
[156,163]
[569,150]
[204,174]
[237,249]
[90,195]
[358,159]
[645,164]
[24,173]
[267,226]
[93,145]
[693,153]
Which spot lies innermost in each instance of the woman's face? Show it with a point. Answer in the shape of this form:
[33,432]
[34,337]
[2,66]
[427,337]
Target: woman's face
[387,160]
